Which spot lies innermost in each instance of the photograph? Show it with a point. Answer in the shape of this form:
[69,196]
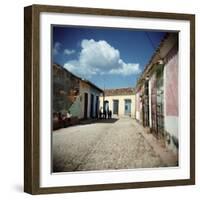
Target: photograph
[109,99]
[114,99]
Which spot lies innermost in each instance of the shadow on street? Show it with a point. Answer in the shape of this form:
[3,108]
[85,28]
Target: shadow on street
[94,121]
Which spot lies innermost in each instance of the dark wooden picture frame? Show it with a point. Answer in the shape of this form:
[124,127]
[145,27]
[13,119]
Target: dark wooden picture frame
[32,93]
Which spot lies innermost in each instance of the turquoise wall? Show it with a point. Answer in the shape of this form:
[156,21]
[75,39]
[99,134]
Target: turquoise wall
[75,108]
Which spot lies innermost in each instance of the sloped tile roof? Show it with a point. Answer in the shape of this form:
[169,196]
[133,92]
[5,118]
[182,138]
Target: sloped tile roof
[119,91]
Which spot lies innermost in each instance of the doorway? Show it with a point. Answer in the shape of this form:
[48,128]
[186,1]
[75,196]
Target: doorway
[91,105]
[97,107]
[115,107]
[85,105]
[145,105]
[160,100]
[127,107]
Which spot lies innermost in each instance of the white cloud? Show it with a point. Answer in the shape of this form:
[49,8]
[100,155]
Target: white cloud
[127,69]
[68,51]
[99,57]
[57,48]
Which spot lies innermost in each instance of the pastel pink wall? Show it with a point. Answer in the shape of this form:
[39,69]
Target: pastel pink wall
[171,86]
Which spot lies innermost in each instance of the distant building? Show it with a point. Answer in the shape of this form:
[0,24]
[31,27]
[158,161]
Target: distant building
[74,95]
[120,101]
[157,93]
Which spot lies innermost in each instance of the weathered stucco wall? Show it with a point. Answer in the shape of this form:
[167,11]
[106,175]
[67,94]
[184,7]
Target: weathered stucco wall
[171,86]
[65,89]
[163,107]
[75,108]
[171,100]
[69,91]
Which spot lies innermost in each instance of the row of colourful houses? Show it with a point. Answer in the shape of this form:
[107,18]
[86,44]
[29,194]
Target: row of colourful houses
[157,93]
[82,99]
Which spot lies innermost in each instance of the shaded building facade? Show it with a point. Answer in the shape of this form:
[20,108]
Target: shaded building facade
[73,95]
[157,93]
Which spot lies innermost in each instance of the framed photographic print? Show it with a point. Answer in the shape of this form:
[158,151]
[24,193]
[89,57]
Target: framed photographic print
[109,99]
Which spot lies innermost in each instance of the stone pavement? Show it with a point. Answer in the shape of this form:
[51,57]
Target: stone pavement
[104,144]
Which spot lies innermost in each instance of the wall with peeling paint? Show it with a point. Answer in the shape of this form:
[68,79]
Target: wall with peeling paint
[68,93]
[65,89]
[171,105]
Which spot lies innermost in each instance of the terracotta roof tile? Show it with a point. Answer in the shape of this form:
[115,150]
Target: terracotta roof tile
[119,91]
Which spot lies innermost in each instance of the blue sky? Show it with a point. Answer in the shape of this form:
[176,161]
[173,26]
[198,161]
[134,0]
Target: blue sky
[108,57]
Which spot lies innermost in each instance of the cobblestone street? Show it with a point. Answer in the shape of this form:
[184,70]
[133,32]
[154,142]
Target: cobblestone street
[108,144]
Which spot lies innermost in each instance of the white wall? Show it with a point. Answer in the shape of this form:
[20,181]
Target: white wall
[171,125]
[11,101]
[137,106]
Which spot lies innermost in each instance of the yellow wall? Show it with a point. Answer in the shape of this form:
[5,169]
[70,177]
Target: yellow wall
[121,99]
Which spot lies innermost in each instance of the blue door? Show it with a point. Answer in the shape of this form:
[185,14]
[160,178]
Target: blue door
[127,107]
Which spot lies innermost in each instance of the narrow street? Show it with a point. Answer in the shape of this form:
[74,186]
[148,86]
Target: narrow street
[108,144]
